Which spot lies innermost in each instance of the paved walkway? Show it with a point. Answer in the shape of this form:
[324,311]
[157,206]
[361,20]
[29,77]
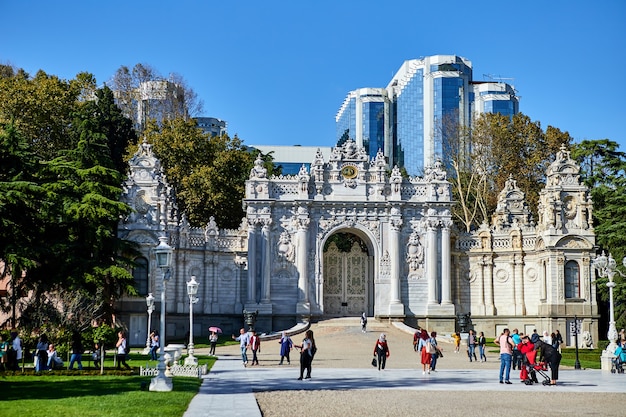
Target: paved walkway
[228,389]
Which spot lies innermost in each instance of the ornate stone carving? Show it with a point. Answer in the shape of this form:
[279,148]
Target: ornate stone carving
[285,248]
[502,275]
[258,171]
[414,253]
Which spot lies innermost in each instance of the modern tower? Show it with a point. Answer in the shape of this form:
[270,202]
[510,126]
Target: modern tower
[364,118]
[211,125]
[413,119]
[427,93]
[494,97]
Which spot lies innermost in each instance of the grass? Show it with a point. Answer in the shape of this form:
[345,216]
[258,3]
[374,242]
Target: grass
[93,395]
[588,358]
[87,393]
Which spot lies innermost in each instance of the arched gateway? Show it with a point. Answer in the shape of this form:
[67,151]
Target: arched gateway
[396,263]
[345,236]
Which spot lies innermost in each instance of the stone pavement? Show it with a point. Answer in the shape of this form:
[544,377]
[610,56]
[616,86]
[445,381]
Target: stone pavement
[228,389]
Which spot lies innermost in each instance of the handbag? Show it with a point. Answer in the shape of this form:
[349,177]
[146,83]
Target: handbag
[430,348]
[374,363]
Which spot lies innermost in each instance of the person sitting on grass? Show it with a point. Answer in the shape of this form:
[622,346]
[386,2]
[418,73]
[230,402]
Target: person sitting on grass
[54,362]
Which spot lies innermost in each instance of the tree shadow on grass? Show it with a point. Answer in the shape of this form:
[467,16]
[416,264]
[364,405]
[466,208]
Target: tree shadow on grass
[25,388]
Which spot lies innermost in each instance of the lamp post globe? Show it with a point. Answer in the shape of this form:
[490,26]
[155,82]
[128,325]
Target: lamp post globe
[163,253]
[150,305]
[192,290]
[607,268]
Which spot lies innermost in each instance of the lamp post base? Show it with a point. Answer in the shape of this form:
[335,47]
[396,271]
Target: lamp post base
[606,360]
[191,360]
[161,383]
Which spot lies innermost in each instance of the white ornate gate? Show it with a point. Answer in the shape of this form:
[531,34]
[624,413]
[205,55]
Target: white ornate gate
[345,281]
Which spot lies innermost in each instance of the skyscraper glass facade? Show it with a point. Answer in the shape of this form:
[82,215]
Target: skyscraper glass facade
[410,124]
[373,127]
[346,120]
[410,120]
[362,118]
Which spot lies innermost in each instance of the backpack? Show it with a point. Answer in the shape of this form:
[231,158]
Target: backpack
[430,348]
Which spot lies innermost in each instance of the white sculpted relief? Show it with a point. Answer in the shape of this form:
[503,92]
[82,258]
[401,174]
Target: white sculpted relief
[258,171]
[414,253]
[285,248]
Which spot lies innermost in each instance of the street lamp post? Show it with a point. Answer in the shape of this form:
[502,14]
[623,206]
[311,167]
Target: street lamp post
[607,267]
[163,254]
[192,290]
[150,304]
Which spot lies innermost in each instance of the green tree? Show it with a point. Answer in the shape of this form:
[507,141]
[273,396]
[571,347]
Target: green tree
[208,172]
[83,250]
[42,107]
[20,221]
[503,146]
[603,167]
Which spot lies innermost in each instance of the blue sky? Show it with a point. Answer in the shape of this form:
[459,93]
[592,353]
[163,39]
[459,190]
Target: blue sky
[277,71]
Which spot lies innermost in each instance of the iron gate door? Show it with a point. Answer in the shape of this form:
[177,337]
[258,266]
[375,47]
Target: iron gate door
[345,281]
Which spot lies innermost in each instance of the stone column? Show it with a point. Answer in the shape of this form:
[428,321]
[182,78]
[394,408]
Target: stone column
[267,261]
[252,265]
[490,308]
[395,305]
[394,253]
[520,307]
[480,281]
[431,256]
[543,273]
[446,291]
[302,261]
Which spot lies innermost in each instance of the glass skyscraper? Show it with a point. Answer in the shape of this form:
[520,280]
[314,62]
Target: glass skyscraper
[363,117]
[423,97]
[428,92]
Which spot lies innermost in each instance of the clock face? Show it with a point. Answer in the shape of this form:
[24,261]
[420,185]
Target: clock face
[349,172]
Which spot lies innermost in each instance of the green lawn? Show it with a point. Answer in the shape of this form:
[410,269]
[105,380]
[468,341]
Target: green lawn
[87,393]
[93,395]
[588,358]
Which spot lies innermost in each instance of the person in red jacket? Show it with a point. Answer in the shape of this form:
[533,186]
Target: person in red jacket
[255,345]
[381,349]
[528,353]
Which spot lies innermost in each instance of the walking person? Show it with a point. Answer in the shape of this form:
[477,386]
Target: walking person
[471,346]
[255,346]
[381,349]
[77,351]
[306,354]
[363,322]
[482,342]
[457,341]
[506,353]
[213,337]
[286,344]
[155,343]
[122,350]
[244,342]
[437,354]
[425,355]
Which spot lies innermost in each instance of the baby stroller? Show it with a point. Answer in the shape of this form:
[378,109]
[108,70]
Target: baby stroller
[617,366]
[530,369]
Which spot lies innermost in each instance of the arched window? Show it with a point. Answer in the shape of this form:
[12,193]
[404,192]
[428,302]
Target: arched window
[572,280]
[140,273]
